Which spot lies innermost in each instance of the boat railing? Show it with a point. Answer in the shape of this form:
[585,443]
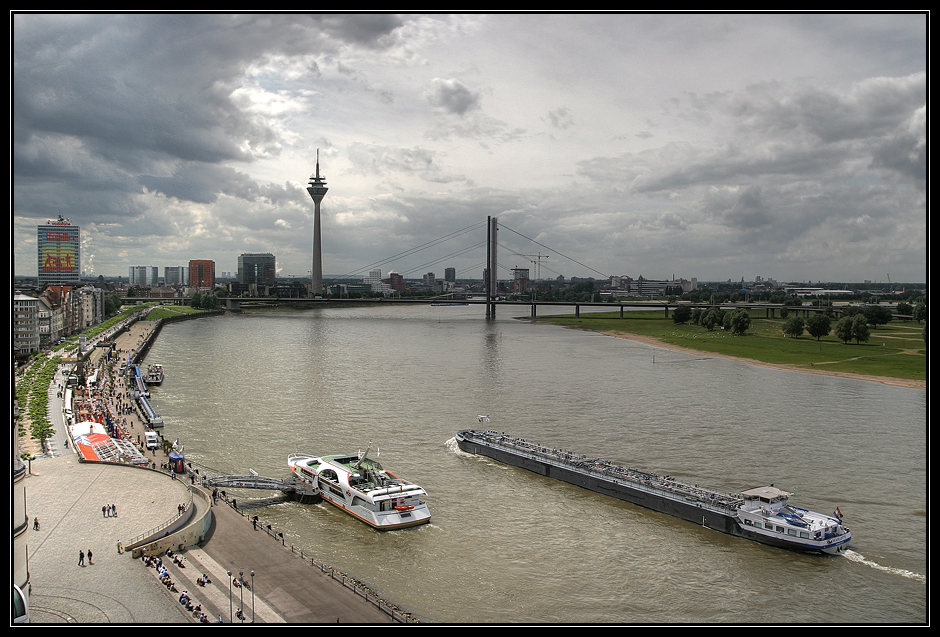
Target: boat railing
[608,470]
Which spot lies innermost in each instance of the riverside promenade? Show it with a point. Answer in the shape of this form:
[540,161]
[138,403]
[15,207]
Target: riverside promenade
[69,497]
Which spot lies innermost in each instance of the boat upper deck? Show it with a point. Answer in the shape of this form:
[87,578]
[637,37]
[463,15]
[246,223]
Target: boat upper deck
[728,502]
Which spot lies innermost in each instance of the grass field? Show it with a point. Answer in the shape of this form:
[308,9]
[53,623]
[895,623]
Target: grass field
[896,350]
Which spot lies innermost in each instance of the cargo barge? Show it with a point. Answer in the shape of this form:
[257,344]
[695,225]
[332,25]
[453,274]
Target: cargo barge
[763,514]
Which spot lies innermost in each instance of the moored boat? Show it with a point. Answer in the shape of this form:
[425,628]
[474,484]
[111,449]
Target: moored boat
[154,375]
[360,486]
[763,514]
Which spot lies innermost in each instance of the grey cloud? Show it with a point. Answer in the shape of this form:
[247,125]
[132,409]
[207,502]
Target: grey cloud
[452,96]
[384,161]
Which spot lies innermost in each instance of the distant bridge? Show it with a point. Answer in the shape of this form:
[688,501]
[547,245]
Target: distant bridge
[234,304]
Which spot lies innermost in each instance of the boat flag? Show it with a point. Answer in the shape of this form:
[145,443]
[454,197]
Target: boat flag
[838,513]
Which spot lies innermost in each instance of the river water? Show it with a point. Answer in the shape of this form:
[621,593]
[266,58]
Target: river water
[505,545]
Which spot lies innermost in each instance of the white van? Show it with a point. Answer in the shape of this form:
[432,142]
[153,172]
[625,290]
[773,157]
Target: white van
[151,441]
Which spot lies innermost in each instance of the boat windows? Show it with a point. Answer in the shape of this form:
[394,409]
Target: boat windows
[791,532]
[804,535]
[780,529]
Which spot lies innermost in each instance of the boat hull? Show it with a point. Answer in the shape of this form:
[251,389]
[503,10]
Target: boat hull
[396,506]
[685,509]
[388,522]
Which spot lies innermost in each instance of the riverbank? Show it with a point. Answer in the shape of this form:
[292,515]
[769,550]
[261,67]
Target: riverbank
[67,514]
[656,342]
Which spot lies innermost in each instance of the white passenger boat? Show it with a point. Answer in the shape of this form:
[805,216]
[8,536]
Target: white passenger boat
[360,486]
[154,375]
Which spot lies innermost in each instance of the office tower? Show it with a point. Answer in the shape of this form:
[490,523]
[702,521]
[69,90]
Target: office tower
[59,253]
[176,275]
[143,275]
[202,273]
[256,268]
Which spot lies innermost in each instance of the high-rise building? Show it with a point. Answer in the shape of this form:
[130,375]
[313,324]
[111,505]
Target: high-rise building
[202,273]
[450,274]
[59,253]
[25,324]
[143,275]
[176,275]
[256,268]
[396,281]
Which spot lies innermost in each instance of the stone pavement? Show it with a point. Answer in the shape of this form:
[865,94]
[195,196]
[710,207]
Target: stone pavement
[67,498]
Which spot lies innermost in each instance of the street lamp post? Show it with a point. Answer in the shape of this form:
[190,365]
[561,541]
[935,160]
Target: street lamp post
[241,594]
[229,574]
[252,597]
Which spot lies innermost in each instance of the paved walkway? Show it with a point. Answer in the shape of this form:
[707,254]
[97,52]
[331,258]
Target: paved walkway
[67,497]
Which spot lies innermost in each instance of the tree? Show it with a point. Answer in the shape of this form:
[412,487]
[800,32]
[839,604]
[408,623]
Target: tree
[793,327]
[860,331]
[710,319]
[682,314]
[818,325]
[844,329]
[877,315]
[740,321]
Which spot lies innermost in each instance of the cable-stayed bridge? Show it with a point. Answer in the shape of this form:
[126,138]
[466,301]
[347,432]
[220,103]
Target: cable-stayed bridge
[490,298]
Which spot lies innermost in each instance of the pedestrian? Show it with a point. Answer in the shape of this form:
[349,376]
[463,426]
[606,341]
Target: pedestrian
[114,510]
[89,557]
[120,547]
[81,558]
[35,524]
[104,510]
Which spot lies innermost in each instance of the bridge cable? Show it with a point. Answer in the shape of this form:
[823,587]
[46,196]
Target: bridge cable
[555,251]
[418,248]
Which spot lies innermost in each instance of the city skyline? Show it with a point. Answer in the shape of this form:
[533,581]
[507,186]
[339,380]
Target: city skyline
[791,146]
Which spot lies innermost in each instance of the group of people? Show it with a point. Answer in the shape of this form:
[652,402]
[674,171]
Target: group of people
[165,579]
[109,510]
[104,403]
[195,609]
[177,559]
[81,558]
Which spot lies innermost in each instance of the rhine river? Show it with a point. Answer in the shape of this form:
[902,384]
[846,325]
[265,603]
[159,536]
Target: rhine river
[507,546]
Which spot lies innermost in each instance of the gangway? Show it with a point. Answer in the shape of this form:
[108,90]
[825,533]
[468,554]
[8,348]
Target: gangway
[254,481]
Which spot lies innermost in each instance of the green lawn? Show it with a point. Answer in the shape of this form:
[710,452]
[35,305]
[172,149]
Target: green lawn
[895,350]
[170,311]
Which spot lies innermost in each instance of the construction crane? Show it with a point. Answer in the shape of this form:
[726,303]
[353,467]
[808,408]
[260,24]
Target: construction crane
[537,263]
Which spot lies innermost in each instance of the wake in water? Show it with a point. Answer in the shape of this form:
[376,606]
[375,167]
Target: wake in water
[860,559]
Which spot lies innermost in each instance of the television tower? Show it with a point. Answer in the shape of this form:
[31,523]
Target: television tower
[317,189]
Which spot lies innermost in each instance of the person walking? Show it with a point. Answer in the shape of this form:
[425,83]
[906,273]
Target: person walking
[81,558]
[114,510]
[104,511]
[89,557]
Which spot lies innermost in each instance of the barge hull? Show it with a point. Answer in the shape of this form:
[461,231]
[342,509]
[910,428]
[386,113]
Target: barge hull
[677,508]
[716,511]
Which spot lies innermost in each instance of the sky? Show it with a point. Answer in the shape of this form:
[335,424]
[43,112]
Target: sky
[716,146]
